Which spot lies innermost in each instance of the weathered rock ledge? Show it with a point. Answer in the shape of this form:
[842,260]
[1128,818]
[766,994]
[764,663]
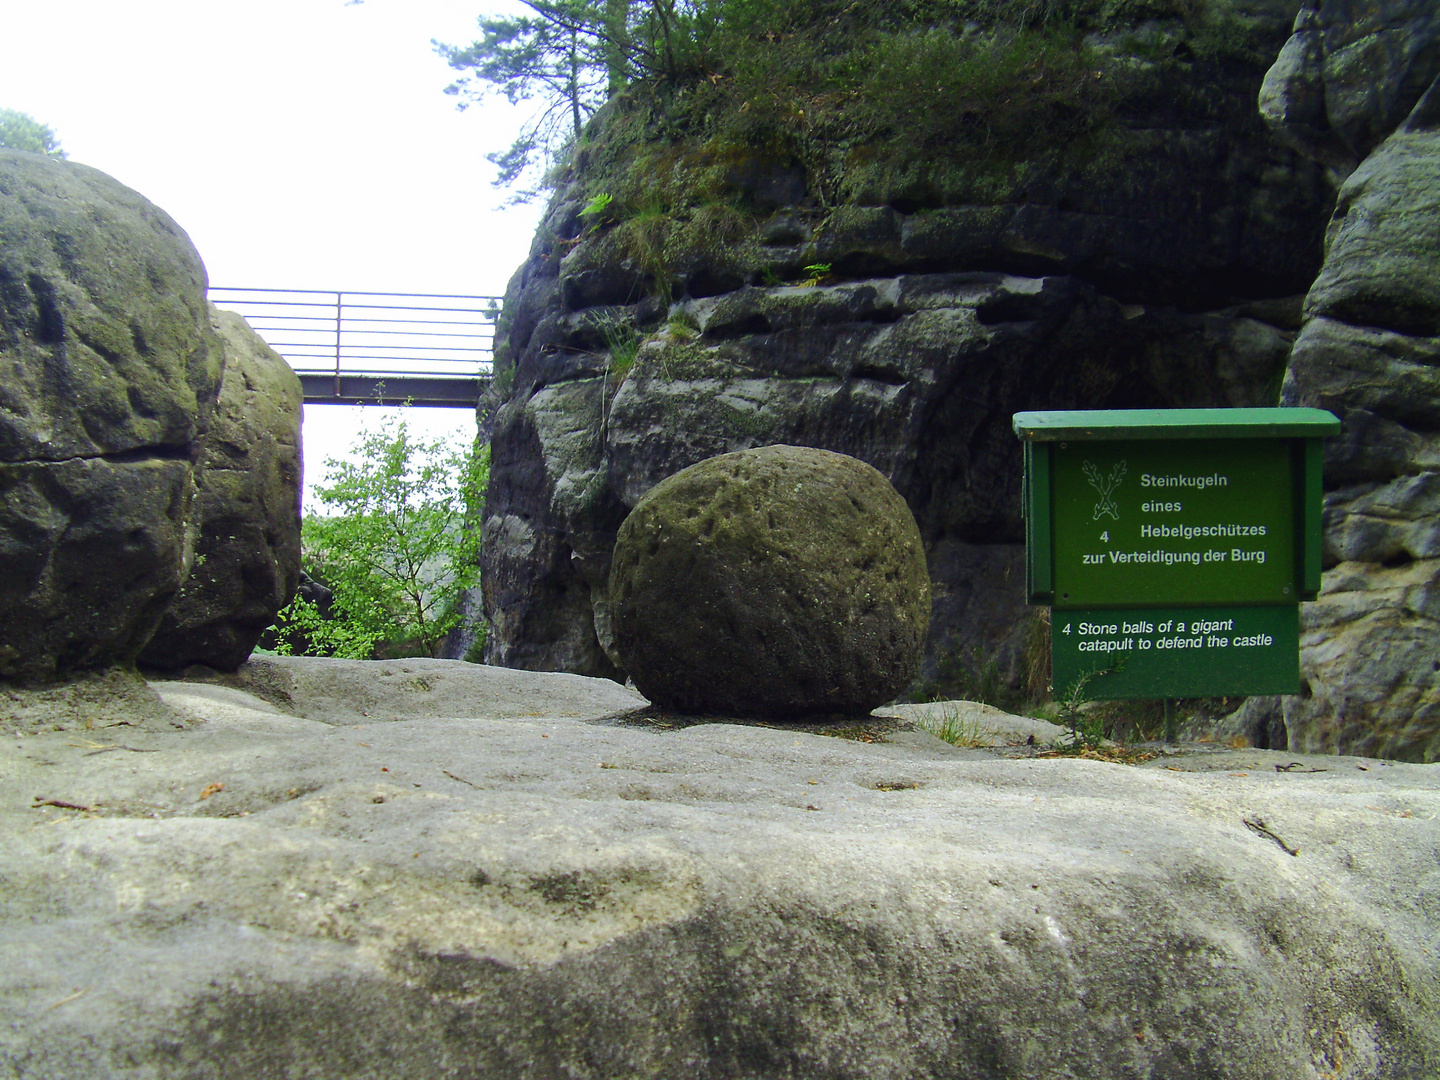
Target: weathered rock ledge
[519,889]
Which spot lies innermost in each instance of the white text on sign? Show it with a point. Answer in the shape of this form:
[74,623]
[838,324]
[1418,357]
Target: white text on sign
[1143,635]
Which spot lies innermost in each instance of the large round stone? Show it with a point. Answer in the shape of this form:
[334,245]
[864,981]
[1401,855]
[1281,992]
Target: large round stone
[775,582]
[106,348]
[109,370]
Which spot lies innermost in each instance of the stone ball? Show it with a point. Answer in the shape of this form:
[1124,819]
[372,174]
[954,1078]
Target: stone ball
[778,581]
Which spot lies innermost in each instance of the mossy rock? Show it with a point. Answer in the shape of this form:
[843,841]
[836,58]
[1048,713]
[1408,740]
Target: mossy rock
[247,505]
[779,581]
[105,338]
[111,370]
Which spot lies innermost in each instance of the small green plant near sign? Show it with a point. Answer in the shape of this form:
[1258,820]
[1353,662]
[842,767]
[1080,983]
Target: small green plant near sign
[965,673]
[1087,729]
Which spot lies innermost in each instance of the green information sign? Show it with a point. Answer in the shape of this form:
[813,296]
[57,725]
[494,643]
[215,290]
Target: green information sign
[1174,546]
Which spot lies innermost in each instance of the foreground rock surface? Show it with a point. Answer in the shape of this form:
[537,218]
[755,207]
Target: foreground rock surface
[422,894]
[110,374]
[247,502]
[771,582]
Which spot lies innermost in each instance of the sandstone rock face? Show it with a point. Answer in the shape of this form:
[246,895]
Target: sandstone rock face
[247,503]
[1350,75]
[110,373]
[1370,661]
[917,375]
[1370,351]
[716,902]
[933,322]
[94,551]
[777,581]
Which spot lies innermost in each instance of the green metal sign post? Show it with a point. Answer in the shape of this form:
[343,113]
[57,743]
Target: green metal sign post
[1173,546]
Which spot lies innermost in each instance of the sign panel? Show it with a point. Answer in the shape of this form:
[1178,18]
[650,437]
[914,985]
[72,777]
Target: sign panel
[1112,653]
[1173,545]
[1177,522]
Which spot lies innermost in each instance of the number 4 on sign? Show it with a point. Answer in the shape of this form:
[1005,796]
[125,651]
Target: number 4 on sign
[1105,536]
[1067,629]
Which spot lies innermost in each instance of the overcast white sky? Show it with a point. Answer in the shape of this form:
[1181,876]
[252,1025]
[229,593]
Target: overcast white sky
[300,143]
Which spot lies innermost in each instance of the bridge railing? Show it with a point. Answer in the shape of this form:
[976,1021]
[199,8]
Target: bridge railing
[353,347]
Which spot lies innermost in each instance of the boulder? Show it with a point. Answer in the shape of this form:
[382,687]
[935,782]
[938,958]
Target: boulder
[111,371]
[235,888]
[94,551]
[782,580]
[247,503]
[1369,350]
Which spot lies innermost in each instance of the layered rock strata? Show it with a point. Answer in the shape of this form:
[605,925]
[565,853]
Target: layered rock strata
[1165,273]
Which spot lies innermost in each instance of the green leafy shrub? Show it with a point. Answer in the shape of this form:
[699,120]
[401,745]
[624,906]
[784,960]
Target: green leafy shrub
[393,546]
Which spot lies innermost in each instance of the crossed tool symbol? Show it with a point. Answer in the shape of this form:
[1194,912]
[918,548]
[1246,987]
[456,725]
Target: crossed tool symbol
[1106,486]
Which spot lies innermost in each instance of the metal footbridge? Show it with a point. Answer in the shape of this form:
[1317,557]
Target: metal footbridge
[375,348]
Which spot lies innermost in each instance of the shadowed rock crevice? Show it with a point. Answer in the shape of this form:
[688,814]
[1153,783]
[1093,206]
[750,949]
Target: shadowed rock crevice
[247,552]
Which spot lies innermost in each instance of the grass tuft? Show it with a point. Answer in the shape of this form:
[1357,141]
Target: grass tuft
[956,728]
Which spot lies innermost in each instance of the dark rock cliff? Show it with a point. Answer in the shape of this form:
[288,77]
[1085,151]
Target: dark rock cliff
[1152,256]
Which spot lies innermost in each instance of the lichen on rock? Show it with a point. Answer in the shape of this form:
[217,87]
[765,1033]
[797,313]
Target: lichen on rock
[1369,350]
